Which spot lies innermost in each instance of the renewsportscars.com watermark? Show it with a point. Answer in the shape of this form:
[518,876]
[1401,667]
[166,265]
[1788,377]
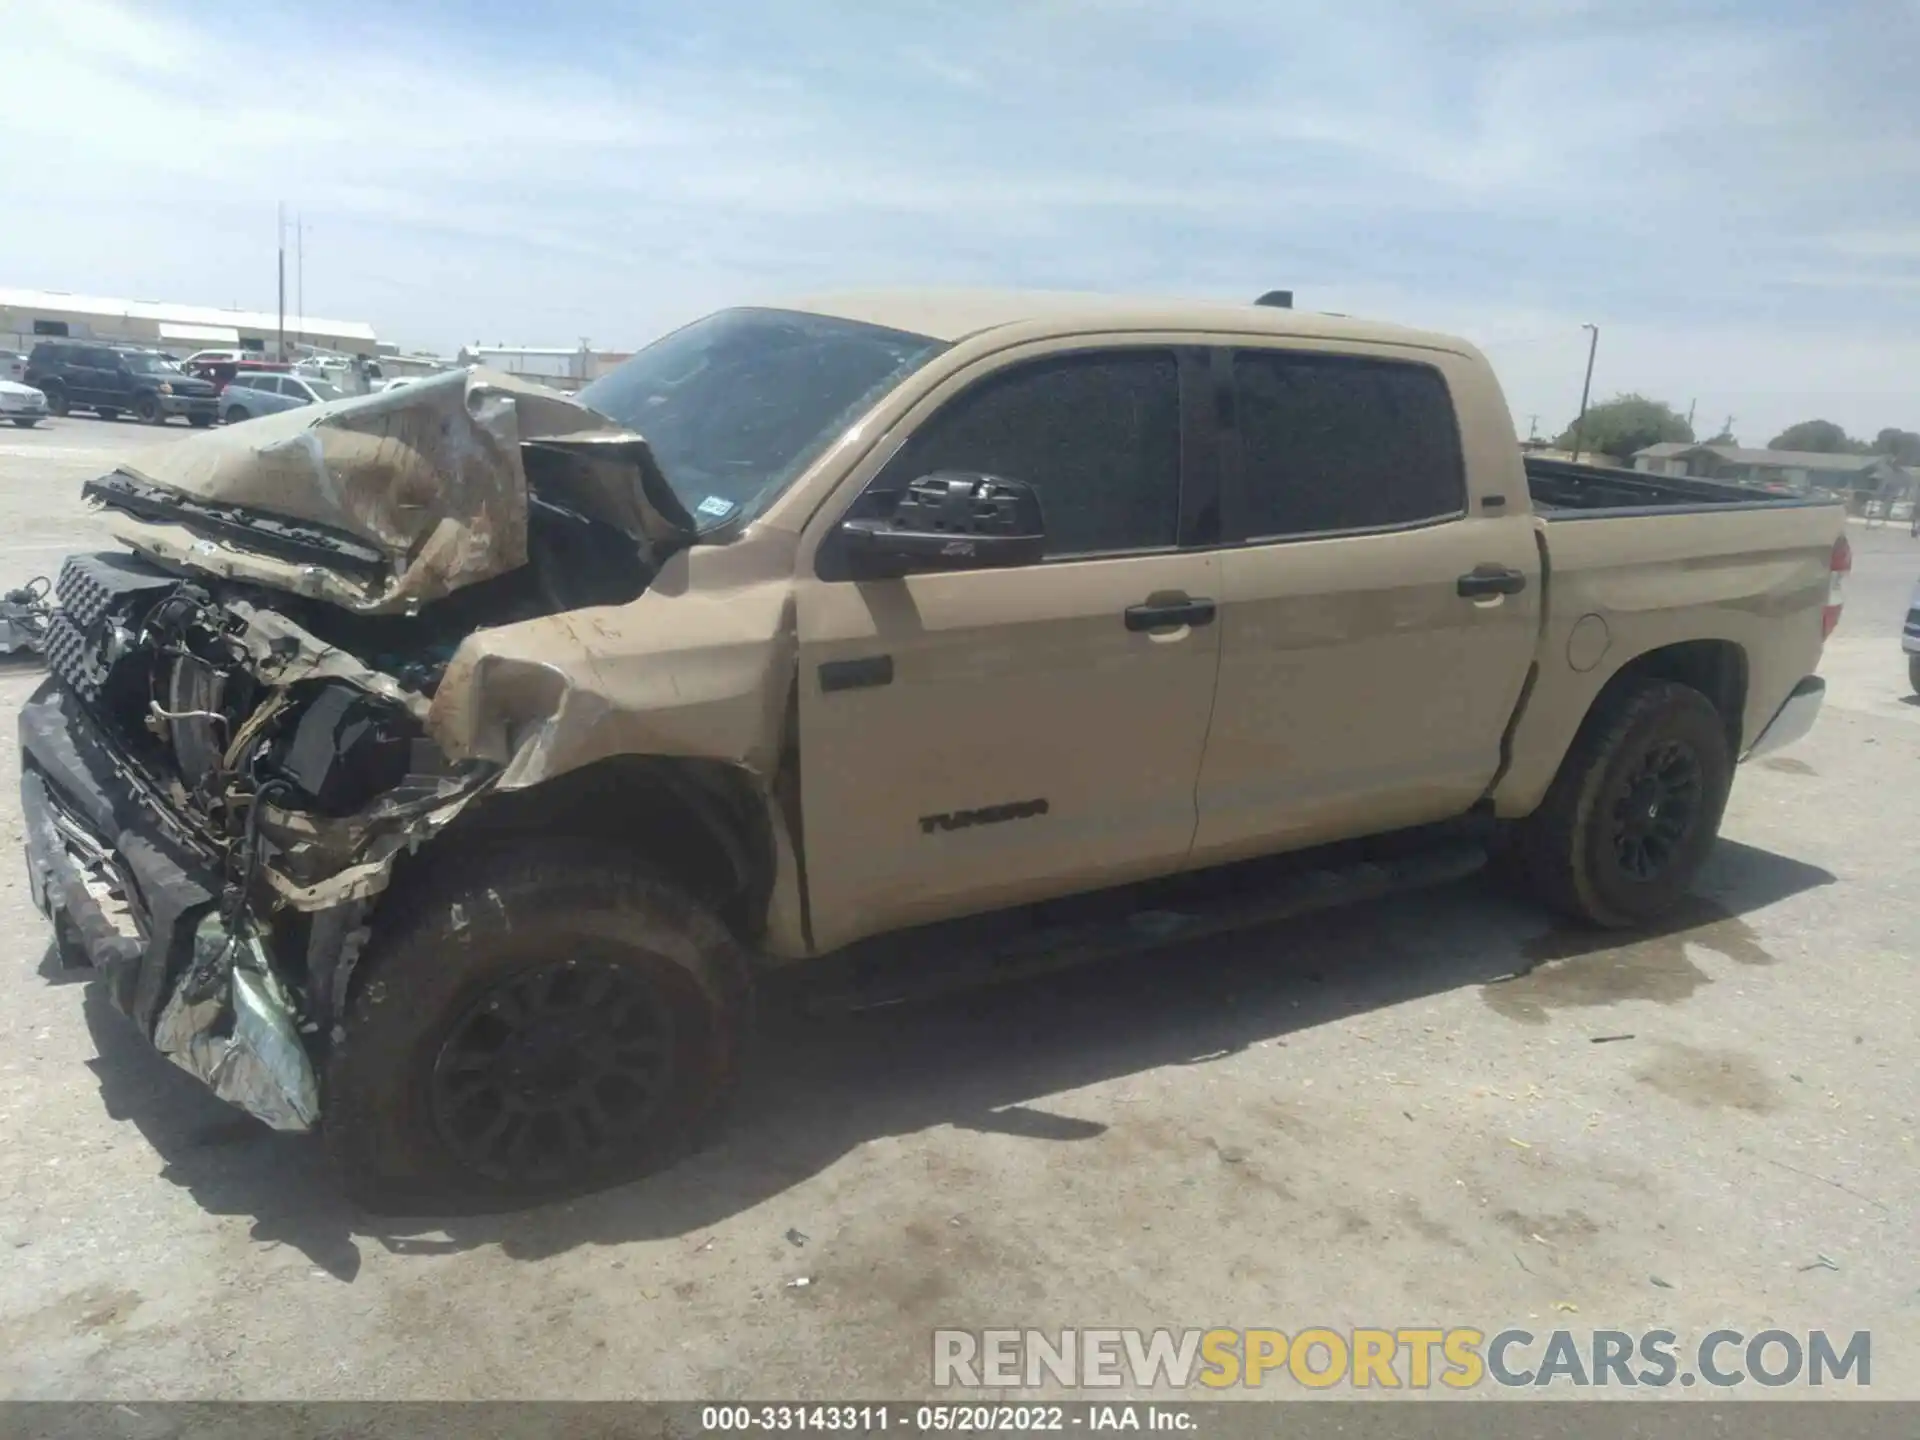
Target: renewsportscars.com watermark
[1405,1358]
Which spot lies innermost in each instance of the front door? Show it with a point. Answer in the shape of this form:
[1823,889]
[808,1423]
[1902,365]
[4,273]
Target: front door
[87,377]
[115,381]
[980,739]
[1376,628]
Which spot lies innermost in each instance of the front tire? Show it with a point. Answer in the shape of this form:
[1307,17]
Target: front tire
[56,399]
[147,407]
[530,1026]
[235,414]
[1913,673]
[27,422]
[1634,811]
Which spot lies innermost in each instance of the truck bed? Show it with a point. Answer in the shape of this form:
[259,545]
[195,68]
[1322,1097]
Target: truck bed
[1562,490]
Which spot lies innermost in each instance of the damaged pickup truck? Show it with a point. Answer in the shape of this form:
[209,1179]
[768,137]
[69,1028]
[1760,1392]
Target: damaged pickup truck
[440,769]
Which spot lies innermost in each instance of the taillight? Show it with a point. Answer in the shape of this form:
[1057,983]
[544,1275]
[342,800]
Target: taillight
[1837,569]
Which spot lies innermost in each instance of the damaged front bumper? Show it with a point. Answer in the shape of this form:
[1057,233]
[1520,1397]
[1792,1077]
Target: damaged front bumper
[136,896]
[136,903]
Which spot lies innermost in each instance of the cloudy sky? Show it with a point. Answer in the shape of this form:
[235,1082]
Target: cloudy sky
[1731,191]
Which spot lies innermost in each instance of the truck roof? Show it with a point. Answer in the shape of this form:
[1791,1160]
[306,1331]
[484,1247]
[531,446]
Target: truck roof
[952,315]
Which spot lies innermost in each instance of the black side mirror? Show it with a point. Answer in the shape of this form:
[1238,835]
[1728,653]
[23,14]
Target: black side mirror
[951,520]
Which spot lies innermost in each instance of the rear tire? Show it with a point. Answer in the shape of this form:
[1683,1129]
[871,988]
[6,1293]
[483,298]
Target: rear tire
[235,414]
[56,399]
[1634,810]
[27,424]
[1913,673]
[531,1025]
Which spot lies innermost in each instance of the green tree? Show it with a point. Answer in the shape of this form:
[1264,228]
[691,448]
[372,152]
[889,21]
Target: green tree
[1624,425]
[1818,437]
[1901,445]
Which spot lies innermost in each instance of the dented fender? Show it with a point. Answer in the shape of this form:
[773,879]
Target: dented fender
[696,668]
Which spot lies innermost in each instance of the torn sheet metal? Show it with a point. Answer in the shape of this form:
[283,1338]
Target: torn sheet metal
[376,839]
[285,653]
[242,1040]
[431,477]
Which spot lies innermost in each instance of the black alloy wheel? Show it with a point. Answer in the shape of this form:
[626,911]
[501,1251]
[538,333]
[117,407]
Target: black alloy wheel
[555,1072]
[1655,807]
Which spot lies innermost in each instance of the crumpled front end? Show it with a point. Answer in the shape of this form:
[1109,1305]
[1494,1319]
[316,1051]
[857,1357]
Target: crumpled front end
[385,503]
[214,797]
[339,632]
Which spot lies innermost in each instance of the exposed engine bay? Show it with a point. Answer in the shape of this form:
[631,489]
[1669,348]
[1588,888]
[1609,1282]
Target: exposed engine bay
[260,679]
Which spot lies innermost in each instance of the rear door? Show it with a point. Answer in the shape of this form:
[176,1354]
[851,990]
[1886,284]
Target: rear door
[1376,629]
[975,740]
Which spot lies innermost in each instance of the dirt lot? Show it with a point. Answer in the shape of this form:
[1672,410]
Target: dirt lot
[1357,1120]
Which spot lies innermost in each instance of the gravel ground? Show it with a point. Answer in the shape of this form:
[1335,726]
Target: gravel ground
[1348,1121]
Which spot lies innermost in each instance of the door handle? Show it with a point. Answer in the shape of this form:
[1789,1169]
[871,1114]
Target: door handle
[1484,580]
[1174,612]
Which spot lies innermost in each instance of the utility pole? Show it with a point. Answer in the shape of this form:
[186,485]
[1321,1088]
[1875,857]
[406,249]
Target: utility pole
[300,274]
[1727,429]
[1533,427]
[1586,389]
[281,341]
[1690,405]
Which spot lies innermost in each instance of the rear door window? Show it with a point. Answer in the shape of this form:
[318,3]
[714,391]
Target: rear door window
[1334,443]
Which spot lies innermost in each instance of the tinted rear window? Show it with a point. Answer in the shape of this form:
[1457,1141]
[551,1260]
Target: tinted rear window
[1333,443]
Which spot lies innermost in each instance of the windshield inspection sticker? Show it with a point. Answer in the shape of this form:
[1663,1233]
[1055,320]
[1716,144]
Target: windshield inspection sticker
[716,506]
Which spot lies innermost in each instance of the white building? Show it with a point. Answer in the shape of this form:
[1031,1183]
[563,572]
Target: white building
[562,367]
[30,315]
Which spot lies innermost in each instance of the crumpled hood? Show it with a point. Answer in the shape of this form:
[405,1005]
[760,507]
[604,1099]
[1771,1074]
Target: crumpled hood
[423,488]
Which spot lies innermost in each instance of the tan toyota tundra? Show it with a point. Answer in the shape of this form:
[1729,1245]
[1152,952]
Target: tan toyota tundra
[443,769]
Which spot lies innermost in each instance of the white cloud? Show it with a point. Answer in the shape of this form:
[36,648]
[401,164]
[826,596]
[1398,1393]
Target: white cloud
[1732,197]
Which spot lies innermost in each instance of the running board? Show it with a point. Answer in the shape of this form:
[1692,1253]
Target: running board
[924,965]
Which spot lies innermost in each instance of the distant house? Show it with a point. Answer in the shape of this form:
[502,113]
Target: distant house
[1862,477]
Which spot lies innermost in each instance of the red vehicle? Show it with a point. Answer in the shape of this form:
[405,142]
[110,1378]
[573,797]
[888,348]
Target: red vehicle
[222,372]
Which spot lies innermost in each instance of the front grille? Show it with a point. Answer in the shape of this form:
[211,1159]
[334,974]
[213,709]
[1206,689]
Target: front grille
[89,585]
[70,658]
[93,595]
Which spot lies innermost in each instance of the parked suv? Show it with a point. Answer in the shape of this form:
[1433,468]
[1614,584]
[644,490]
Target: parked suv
[110,379]
[249,394]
